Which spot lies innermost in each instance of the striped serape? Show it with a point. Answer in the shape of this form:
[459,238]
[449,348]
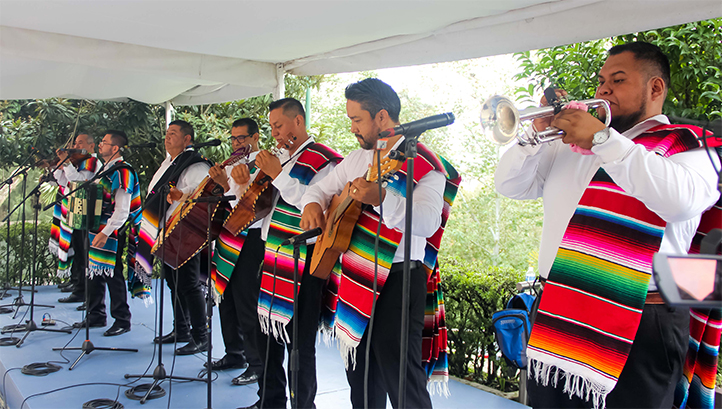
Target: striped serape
[593,299]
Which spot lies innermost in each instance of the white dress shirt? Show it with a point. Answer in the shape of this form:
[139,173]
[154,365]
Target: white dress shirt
[122,206]
[238,190]
[678,188]
[68,173]
[291,189]
[428,200]
[188,181]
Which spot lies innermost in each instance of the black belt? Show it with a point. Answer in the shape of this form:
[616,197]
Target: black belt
[400,266]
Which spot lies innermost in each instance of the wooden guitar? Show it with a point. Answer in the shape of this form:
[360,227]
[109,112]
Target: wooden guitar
[255,204]
[341,217]
[182,243]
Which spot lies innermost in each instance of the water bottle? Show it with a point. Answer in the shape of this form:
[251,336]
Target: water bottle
[530,274]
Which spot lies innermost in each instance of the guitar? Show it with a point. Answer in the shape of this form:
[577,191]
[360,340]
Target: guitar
[193,217]
[341,217]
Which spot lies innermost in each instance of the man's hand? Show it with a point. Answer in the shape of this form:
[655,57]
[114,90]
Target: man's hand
[219,176]
[269,164]
[174,195]
[241,175]
[579,126]
[312,217]
[366,192]
[541,124]
[62,155]
[99,240]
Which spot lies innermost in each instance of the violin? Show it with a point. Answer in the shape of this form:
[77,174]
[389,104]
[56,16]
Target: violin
[74,158]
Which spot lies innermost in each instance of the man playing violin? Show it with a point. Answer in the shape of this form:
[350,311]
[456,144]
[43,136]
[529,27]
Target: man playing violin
[236,260]
[61,233]
[373,106]
[303,162]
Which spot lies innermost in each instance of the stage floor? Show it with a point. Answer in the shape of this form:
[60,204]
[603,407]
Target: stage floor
[101,373]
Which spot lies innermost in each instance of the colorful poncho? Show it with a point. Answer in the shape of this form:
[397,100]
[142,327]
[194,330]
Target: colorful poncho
[60,232]
[696,389]
[593,299]
[349,297]
[147,233]
[101,261]
[276,293]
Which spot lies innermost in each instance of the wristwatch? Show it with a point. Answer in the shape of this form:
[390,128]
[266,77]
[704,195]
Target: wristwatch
[600,137]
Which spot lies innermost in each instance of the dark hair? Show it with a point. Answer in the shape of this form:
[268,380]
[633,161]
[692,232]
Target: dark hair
[375,95]
[655,60]
[89,138]
[185,128]
[119,138]
[291,107]
[249,123]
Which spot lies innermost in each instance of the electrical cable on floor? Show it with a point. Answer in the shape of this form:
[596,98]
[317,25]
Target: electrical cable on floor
[102,404]
[40,369]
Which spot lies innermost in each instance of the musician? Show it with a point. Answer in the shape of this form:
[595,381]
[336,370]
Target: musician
[373,106]
[183,169]
[303,163]
[64,241]
[237,260]
[121,204]
[602,331]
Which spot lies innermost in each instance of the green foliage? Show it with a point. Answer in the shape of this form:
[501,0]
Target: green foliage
[46,263]
[693,49]
[473,292]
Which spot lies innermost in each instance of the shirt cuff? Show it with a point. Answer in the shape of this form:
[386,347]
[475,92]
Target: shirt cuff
[282,181]
[391,201]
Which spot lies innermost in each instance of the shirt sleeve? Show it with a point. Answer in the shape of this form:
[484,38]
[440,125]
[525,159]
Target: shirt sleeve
[676,188]
[292,190]
[73,175]
[192,177]
[428,205]
[120,213]
[333,184]
[522,170]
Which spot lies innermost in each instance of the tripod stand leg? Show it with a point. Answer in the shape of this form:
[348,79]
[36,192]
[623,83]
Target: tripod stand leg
[82,354]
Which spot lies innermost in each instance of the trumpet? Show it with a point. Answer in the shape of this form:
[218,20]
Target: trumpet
[503,120]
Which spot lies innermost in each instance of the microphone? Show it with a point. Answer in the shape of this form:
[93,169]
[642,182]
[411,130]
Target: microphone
[421,125]
[303,236]
[212,199]
[73,151]
[212,142]
[142,145]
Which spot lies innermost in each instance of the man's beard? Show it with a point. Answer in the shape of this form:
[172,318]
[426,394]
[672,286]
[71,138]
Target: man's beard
[365,145]
[623,123]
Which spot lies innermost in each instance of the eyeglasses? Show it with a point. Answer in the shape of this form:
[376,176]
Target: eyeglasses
[239,138]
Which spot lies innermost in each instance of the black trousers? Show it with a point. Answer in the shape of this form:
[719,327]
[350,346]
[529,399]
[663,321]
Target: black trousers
[77,270]
[238,309]
[653,368]
[274,380]
[385,354]
[189,306]
[119,309]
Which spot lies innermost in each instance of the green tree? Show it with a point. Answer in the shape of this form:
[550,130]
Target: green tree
[693,49]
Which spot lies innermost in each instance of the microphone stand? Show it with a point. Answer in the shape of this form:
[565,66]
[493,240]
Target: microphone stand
[411,151]
[19,301]
[6,286]
[87,347]
[153,390]
[209,285]
[30,326]
[293,360]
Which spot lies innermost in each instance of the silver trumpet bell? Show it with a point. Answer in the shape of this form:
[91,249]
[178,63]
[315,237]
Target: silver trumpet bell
[500,116]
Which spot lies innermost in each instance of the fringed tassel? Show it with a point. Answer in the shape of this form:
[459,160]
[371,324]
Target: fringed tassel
[438,384]
[573,384]
[100,271]
[273,327]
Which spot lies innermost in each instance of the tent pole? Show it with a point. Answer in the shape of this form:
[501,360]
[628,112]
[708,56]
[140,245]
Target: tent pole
[308,107]
[168,113]
[280,90]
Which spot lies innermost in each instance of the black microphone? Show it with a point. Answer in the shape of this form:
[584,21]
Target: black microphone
[212,142]
[142,145]
[73,151]
[421,125]
[214,199]
[303,236]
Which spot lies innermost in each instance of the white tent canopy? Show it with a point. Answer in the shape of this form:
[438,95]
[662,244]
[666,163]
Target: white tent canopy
[197,52]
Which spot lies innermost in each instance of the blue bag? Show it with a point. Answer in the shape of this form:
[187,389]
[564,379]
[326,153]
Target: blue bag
[512,328]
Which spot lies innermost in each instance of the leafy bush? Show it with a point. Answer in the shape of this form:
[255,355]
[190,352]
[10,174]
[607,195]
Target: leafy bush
[473,292]
[46,262]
